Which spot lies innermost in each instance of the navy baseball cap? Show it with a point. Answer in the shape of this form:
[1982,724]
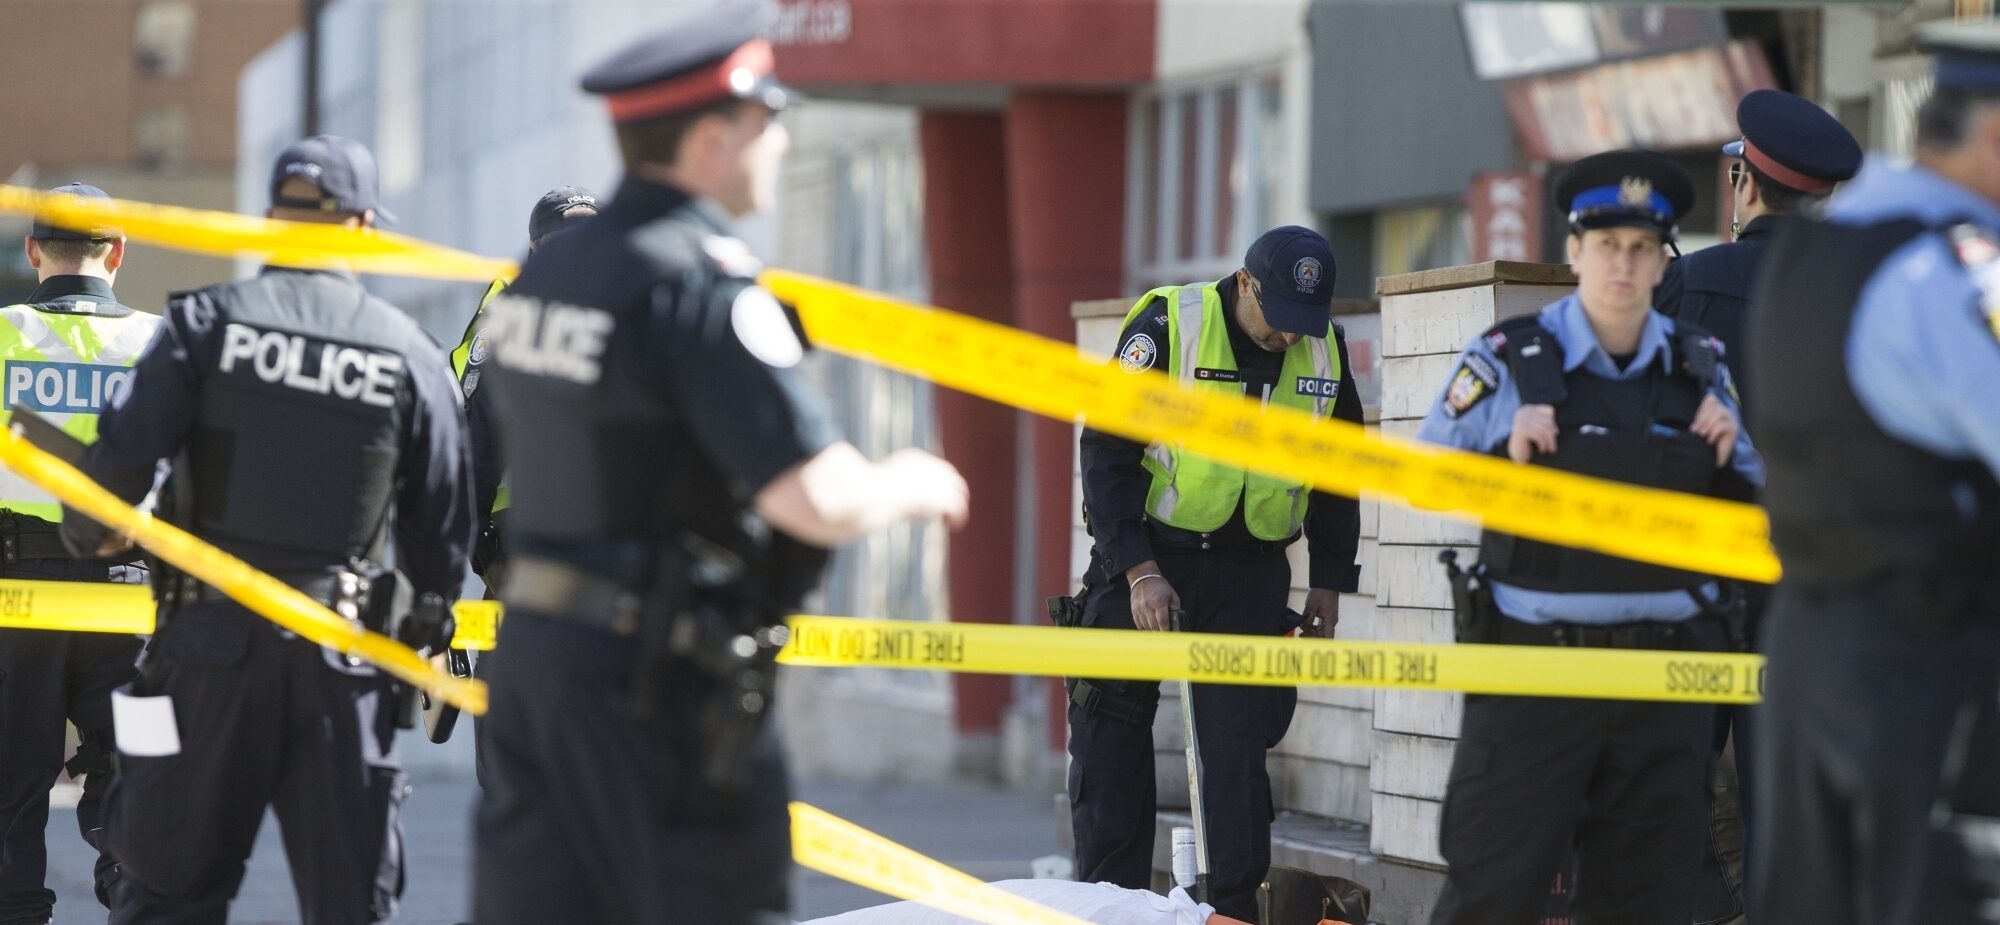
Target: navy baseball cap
[1628,188]
[1794,142]
[43,231]
[343,170]
[1293,267]
[560,209]
[697,60]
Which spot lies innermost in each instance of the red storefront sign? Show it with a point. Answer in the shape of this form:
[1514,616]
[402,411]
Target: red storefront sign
[1506,209]
[1683,100]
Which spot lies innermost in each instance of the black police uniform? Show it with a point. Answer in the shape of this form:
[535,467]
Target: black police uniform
[47,677]
[646,395]
[307,422]
[1229,582]
[1783,135]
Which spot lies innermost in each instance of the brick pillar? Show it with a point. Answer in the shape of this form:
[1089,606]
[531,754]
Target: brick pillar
[1066,211]
[971,269]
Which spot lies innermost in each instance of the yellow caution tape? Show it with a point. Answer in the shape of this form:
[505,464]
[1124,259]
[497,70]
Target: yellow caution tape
[1049,377]
[222,234]
[1529,671]
[93,607]
[76,606]
[276,601]
[838,848]
[478,625]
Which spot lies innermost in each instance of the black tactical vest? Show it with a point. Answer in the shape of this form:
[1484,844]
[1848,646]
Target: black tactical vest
[1633,431]
[304,409]
[1852,506]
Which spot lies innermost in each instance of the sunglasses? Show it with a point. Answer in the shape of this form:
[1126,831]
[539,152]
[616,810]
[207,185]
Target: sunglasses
[1736,174]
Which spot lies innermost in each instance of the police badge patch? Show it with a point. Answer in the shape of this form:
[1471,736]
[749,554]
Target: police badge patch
[1474,380]
[477,353]
[1138,354]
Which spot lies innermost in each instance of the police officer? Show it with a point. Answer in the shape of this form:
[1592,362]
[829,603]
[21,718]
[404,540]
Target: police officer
[303,418]
[1790,157]
[1178,531]
[65,351]
[674,484]
[560,209]
[1877,345]
[1599,384]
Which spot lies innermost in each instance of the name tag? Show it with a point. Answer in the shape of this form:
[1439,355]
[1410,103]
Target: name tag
[1217,375]
[65,388]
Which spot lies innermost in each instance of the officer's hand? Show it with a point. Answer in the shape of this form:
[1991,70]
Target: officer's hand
[117,544]
[1152,599]
[931,487]
[1322,613]
[1534,431]
[1714,422]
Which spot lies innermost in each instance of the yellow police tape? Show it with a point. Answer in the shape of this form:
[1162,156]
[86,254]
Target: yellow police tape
[1052,378]
[1529,671]
[838,848]
[273,599]
[221,234]
[89,607]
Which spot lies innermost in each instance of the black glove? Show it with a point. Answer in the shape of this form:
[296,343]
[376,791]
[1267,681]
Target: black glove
[429,624]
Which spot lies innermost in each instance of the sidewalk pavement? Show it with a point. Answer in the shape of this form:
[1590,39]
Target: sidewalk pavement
[991,834]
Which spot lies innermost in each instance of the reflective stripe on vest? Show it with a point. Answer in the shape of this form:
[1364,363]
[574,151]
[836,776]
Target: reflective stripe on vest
[67,368]
[462,357]
[1194,492]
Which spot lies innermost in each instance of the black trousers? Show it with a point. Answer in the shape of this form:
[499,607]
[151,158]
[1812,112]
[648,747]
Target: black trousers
[593,813]
[1111,786]
[1622,782]
[264,721]
[47,678]
[1858,713]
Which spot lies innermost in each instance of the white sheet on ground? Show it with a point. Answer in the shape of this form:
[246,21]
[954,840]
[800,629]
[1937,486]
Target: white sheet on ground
[1101,903]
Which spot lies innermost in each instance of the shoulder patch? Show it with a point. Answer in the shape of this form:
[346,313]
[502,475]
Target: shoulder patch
[1138,353]
[1475,380]
[760,324]
[1981,256]
[732,255]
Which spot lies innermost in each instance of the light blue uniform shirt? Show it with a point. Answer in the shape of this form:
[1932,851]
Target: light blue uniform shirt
[1484,426]
[1920,355]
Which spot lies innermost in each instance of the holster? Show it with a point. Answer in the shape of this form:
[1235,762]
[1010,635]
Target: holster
[1733,610]
[1475,619]
[1134,702]
[702,614]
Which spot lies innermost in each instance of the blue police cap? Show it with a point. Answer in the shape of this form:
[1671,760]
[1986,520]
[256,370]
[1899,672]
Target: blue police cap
[1628,188]
[1966,54]
[1794,142]
[342,169]
[698,60]
[43,231]
[559,209]
[1293,267]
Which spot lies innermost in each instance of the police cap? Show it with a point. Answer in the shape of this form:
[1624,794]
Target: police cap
[1794,142]
[342,169]
[43,231]
[698,60]
[1628,188]
[1293,267]
[1967,54]
[559,209]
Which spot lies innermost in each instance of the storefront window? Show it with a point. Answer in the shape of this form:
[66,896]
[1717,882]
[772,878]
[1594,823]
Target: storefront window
[1205,168]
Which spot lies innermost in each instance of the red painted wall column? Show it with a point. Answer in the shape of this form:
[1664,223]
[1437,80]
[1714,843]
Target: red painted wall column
[1066,209]
[971,268]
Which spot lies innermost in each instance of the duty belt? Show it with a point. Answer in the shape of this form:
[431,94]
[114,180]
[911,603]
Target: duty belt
[1683,635]
[1167,537]
[318,586]
[555,589]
